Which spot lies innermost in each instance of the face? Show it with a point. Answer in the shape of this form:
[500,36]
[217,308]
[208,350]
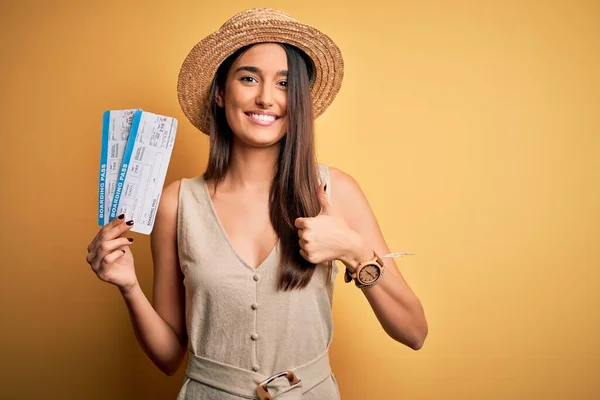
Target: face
[255,95]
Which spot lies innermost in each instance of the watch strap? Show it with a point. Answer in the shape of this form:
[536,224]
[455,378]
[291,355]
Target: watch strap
[348,276]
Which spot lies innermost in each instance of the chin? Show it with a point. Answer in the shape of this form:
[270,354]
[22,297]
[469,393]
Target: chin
[260,136]
[261,140]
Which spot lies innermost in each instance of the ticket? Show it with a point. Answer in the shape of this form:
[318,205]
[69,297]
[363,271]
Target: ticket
[143,169]
[116,125]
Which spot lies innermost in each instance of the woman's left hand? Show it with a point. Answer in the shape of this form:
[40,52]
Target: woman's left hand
[327,236]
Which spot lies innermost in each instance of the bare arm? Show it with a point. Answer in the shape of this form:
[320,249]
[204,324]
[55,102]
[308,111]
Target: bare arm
[160,327]
[396,306]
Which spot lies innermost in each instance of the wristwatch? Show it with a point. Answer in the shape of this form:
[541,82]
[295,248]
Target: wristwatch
[367,273]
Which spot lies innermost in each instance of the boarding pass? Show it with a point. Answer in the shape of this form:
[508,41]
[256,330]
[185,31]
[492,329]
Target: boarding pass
[135,155]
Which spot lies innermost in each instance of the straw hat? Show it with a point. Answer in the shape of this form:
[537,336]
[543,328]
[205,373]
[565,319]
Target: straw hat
[257,25]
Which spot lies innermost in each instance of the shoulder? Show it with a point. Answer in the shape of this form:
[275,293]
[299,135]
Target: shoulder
[166,215]
[349,199]
[170,196]
[347,196]
[169,200]
[343,184]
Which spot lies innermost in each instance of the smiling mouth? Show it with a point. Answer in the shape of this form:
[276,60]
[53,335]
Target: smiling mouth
[262,117]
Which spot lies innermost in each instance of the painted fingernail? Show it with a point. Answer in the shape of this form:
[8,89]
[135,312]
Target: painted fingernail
[325,187]
[130,222]
[121,216]
[130,239]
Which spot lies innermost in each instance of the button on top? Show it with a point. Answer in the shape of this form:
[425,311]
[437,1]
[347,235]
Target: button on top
[256,277]
[254,306]
[254,336]
[255,367]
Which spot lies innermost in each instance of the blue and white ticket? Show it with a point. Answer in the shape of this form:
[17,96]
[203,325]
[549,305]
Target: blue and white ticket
[143,169]
[116,125]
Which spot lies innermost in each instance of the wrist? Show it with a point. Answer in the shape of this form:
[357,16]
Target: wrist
[129,290]
[356,252]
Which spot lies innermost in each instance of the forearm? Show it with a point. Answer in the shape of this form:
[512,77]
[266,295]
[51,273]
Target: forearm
[156,337]
[396,307]
[399,312]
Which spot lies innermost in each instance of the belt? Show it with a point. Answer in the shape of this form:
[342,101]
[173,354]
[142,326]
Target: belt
[285,385]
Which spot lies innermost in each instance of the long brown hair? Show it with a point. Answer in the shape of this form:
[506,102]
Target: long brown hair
[294,189]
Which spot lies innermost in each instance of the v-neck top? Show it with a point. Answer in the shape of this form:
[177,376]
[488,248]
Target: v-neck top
[226,236]
[234,313]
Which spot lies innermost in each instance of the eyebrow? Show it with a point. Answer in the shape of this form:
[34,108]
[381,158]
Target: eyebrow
[256,70]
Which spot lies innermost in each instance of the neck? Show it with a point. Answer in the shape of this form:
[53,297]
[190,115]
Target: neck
[252,168]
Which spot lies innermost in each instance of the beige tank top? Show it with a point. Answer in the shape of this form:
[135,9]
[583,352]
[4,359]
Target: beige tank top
[234,314]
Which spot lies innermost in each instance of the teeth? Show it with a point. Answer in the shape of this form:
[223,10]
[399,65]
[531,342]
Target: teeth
[262,117]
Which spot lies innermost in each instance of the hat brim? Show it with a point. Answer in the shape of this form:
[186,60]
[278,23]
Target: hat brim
[199,67]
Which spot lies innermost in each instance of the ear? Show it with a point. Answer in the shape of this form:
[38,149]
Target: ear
[219,98]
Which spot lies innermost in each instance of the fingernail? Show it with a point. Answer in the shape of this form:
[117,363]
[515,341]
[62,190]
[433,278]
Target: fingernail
[130,239]
[325,187]
[130,222]
[121,216]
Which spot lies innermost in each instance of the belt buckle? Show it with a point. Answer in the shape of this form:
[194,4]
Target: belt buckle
[263,391]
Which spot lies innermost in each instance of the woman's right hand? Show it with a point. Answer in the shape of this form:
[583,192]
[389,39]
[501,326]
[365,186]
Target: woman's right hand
[110,257]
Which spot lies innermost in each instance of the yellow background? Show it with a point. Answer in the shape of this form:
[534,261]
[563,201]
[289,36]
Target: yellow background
[472,127]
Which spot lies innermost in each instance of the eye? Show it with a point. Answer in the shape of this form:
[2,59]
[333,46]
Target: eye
[248,79]
[284,83]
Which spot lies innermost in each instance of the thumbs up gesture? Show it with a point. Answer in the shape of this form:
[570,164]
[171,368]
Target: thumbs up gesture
[325,237]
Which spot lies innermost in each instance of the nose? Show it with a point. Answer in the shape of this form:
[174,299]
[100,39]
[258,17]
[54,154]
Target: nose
[264,97]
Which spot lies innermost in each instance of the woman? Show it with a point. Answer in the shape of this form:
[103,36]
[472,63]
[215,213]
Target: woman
[244,254]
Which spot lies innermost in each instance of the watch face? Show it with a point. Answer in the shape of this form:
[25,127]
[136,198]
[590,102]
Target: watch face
[368,274]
